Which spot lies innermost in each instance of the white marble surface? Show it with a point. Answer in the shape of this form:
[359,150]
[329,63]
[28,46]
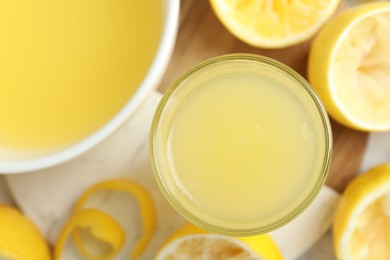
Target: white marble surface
[47,196]
[5,194]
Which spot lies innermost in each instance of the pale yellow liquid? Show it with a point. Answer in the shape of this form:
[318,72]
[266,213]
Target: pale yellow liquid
[68,66]
[241,150]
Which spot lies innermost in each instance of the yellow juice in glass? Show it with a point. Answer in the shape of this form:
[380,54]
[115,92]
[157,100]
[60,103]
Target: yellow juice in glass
[67,67]
[240,145]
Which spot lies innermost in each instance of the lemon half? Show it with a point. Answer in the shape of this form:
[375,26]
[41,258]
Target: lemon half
[362,219]
[273,23]
[191,242]
[349,67]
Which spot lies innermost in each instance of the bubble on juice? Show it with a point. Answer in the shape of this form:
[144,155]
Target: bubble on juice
[259,130]
[176,179]
[308,131]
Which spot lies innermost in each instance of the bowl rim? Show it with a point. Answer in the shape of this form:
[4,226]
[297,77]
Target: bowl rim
[153,76]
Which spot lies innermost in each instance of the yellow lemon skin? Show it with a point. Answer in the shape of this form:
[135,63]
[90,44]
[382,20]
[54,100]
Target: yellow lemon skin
[104,228]
[361,193]
[145,203]
[19,238]
[261,245]
[321,55]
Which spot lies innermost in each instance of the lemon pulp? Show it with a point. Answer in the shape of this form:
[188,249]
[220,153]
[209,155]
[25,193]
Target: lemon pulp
[349,66]
[361,70]
[362,218]
[191,242]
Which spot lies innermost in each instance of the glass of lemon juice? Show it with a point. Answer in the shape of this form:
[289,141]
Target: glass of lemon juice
[240,144]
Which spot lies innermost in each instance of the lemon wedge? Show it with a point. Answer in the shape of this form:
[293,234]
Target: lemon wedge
[362,219]
[19,238]
[191,242]
[349,67]
[273,23]
[97,234]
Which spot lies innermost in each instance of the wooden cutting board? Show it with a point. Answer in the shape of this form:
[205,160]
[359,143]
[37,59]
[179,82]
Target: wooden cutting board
[202,36]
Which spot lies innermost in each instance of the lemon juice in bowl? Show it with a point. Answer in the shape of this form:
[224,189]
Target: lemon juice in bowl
[68,70]
[240,144]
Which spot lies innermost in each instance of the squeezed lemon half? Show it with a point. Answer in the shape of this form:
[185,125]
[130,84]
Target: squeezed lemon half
[191,242]
[19,238]
[273,23]
[349,67]
[362,220]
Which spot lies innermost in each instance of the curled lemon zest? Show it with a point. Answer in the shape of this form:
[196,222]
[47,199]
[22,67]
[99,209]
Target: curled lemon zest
[101,226]
[107,230]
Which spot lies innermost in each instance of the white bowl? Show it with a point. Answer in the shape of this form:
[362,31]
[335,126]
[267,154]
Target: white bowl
[150,82]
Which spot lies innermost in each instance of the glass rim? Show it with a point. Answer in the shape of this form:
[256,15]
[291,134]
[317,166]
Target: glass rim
[281,68]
